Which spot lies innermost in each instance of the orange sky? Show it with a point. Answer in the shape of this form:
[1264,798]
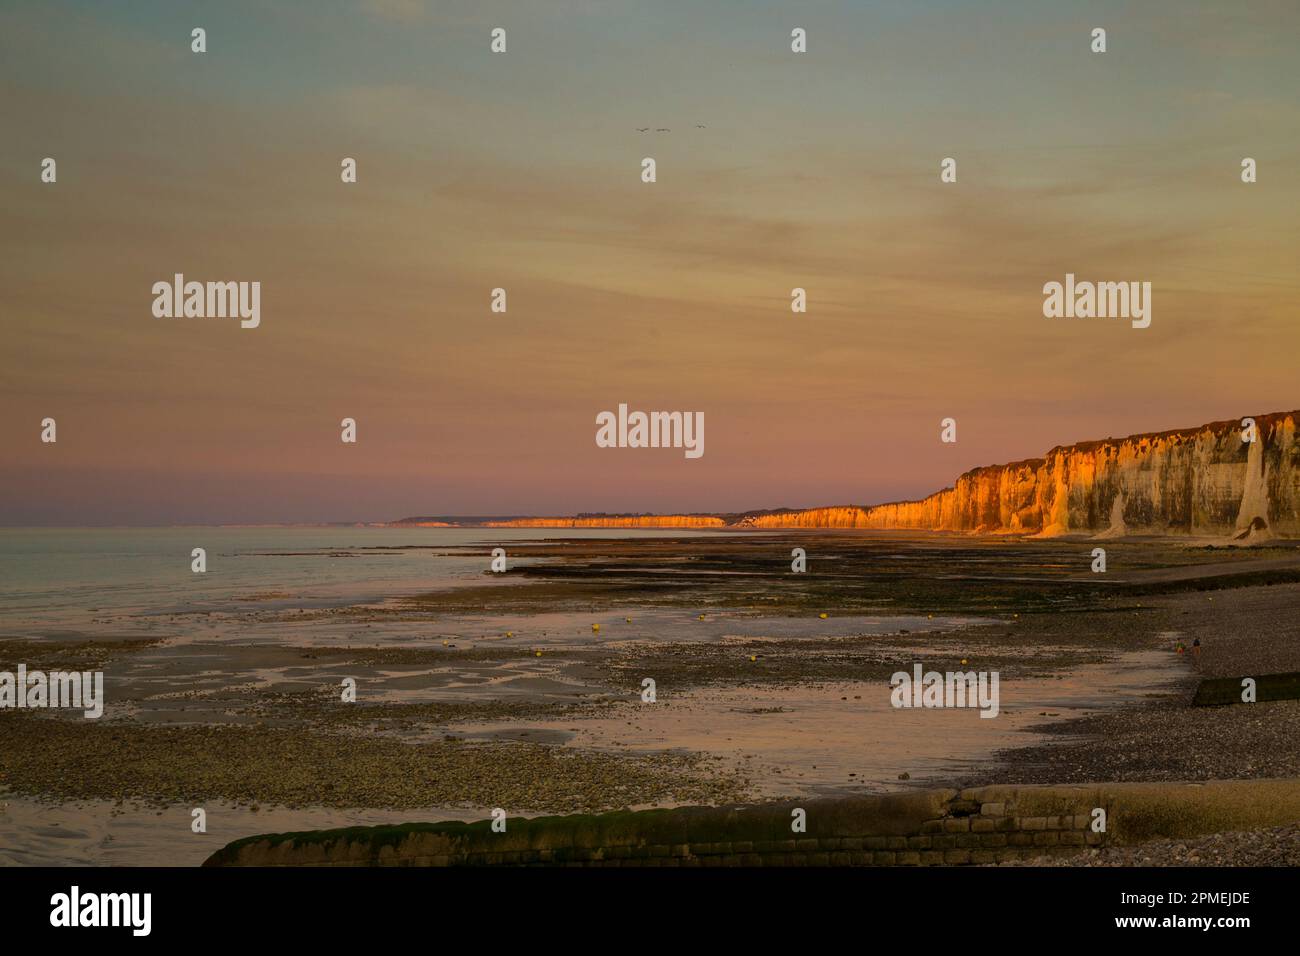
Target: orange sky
[521,170]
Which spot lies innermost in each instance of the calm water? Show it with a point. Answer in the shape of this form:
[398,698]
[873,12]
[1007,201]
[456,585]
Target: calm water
[69,579]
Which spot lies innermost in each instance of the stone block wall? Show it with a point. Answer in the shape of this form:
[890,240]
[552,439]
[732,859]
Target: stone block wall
[917,828]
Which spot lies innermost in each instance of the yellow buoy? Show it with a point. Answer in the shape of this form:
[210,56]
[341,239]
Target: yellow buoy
[539,653]
[822,616]
[595,627]
[753,657]
[701,617]
[510,633]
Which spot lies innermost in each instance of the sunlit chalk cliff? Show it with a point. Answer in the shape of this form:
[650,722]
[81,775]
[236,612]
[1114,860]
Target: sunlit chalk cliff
[1199,481]
[1207,481]
[576,521]
[614,521]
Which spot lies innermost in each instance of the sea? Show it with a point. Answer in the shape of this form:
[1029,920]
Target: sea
[57,581]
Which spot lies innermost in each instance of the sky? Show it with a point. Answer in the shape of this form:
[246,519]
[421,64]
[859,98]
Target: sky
[521,170]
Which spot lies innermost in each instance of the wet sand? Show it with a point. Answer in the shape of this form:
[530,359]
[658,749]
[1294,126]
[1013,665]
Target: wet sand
[503,694]
[40,833]
[828,739]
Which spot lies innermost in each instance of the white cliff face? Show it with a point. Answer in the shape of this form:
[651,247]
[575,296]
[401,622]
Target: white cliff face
[1203,481]
[1254,500]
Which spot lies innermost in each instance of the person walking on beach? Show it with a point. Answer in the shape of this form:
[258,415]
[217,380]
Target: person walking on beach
[1196,648]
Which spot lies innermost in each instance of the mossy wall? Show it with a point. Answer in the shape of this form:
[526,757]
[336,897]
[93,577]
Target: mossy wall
[926,827]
